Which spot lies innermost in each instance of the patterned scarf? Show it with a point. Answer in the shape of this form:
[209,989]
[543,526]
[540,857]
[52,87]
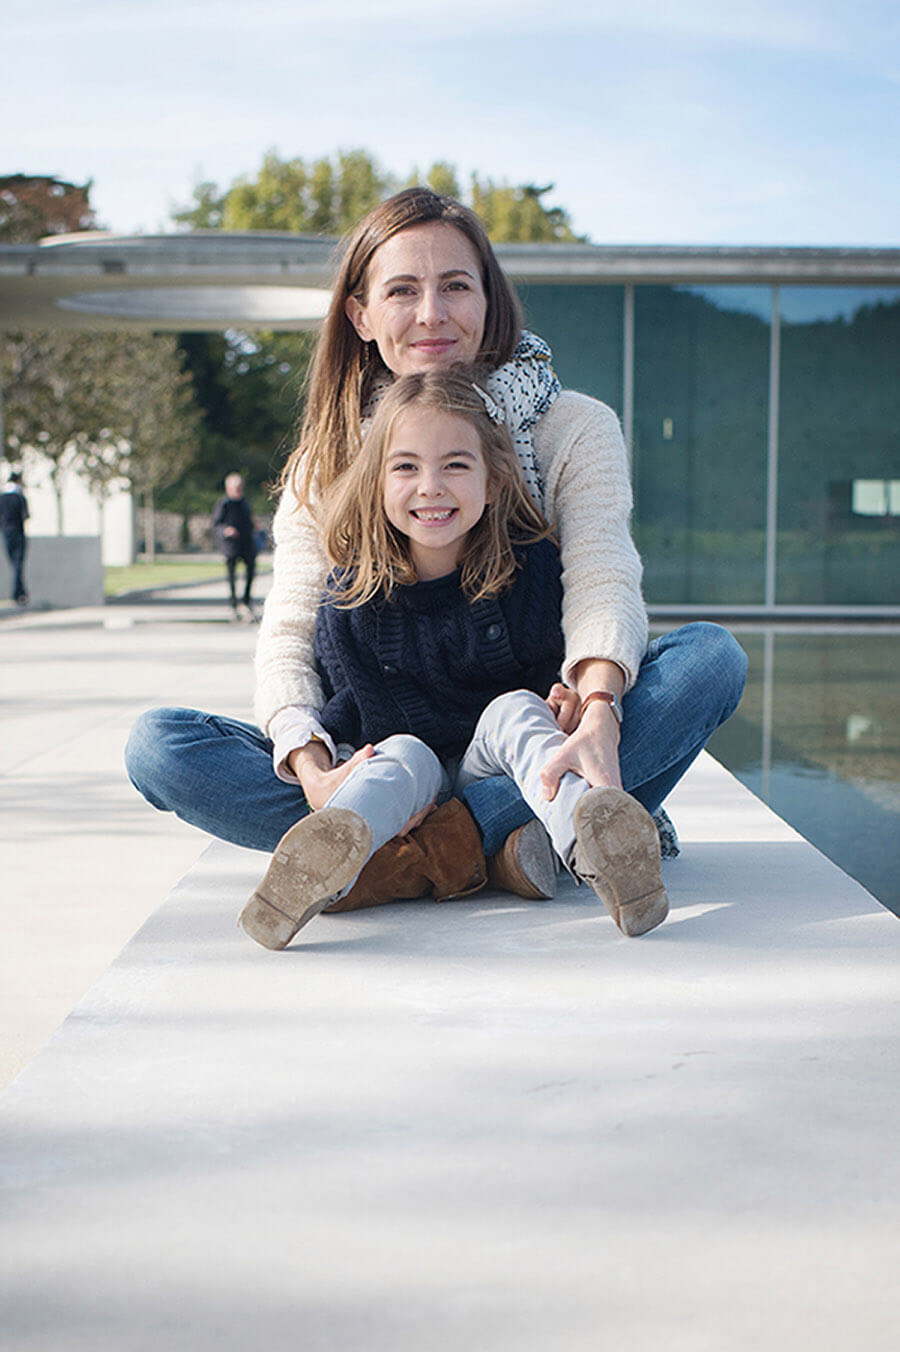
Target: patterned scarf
[524,389]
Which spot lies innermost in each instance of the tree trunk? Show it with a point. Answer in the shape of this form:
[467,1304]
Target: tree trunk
[56,480]
[149,526]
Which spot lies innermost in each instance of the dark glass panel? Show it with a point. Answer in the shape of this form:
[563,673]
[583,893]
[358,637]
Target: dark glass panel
[839,447]
[583,325]
[699,442]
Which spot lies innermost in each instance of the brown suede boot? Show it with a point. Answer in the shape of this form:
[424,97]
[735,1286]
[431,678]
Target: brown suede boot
[525,864]
[442,859]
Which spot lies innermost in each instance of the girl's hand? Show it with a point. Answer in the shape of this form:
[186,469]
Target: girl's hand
[319,782]
[591,751]
[565,706]
[319,779]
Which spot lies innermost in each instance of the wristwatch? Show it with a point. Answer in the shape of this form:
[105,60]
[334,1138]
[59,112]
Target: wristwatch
[607,697]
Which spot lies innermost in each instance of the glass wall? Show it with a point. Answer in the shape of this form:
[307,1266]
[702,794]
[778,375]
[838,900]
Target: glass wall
[701,394]
[839,447]
[700,433]
[583,325]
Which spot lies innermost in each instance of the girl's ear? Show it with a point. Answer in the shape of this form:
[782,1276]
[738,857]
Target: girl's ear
[356,313]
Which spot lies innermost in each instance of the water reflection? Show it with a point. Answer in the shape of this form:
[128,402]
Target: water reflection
[817,736]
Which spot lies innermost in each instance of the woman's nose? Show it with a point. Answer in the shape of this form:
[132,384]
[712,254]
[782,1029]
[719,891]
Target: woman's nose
[432,307]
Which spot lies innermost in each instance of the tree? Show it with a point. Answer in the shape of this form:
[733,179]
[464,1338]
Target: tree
[517,214]
[50,401]
[107,405]
[154,416]
[329,195]
[324,197]
[32,206]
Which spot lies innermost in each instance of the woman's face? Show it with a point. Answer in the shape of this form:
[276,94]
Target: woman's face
[425,303]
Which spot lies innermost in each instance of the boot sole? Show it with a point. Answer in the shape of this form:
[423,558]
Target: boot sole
[617,852]
[317,858]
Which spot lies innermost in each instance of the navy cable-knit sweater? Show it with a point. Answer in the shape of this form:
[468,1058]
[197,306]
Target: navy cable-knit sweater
[429,661]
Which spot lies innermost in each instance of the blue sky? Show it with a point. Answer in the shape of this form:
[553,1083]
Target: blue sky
[695,123]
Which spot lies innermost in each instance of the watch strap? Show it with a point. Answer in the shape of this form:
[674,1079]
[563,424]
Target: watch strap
[606,697]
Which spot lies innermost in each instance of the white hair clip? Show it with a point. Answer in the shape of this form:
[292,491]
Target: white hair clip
[493,409]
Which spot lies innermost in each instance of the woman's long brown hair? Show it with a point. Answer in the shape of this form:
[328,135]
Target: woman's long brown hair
[344,367]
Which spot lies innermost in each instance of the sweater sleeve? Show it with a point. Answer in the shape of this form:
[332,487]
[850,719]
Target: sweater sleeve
[285,661]
[581,453]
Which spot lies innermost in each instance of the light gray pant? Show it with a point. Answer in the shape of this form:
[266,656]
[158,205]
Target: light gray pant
[516,736]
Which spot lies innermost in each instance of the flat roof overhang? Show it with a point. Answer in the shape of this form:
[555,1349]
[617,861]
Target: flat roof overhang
[262,280]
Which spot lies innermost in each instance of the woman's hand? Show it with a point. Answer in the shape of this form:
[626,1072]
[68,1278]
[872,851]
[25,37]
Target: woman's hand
[565,706]
[591,751]
[592,747]
[318,778]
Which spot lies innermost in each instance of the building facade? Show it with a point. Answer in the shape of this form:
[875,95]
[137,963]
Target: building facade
[759,389]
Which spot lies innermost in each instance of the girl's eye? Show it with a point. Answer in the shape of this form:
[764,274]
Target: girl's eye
[458,464]
[402,467]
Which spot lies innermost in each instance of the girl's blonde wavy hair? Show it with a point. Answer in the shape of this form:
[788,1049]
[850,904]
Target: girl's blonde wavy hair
[372,555]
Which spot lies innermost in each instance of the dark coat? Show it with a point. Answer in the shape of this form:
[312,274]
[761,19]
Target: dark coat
[235,512]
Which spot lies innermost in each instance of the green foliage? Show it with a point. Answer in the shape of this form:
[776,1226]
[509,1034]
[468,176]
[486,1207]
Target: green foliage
[247,389]
[323,197]
[442,178]
[108,405]
[205,211]
[329,195]
[517,214]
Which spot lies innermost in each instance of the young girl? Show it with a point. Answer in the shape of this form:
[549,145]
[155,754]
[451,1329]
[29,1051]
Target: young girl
[436,643]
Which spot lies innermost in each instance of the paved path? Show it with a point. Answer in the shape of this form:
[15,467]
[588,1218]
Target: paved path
[73,682]
[485,1125]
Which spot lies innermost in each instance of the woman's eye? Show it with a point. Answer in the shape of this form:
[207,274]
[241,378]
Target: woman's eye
[458,286]
[400,291]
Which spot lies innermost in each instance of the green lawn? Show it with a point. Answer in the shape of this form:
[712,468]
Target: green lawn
[143,576]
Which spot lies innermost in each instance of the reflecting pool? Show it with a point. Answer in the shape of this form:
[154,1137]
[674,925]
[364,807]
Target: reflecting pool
[817,737]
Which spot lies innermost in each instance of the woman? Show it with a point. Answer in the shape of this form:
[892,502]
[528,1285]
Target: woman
[419,288]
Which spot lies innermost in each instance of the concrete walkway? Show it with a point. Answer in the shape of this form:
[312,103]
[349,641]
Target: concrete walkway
[72,683]
[489,1125]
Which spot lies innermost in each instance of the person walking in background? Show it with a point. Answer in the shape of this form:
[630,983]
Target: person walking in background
[233,521]
[13,515]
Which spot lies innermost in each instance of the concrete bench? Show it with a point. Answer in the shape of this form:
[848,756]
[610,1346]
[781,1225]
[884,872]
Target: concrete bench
[483,1125]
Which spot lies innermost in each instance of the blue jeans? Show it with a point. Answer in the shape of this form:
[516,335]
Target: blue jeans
[216,773]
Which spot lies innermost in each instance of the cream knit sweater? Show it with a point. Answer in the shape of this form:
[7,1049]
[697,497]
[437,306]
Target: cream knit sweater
[581,454]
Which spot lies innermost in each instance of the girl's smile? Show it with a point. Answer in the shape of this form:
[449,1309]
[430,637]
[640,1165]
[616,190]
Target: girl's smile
[435,486]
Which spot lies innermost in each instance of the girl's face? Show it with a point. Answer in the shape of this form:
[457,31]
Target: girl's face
[435,486]
[425,303]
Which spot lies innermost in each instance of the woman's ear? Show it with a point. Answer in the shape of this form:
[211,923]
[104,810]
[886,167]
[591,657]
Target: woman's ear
[356,313]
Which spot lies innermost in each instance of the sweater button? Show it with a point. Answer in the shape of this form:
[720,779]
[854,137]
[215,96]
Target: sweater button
[389,670]
[493,631]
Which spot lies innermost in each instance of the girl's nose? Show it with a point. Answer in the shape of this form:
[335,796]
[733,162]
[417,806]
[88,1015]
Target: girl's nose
[431,484]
